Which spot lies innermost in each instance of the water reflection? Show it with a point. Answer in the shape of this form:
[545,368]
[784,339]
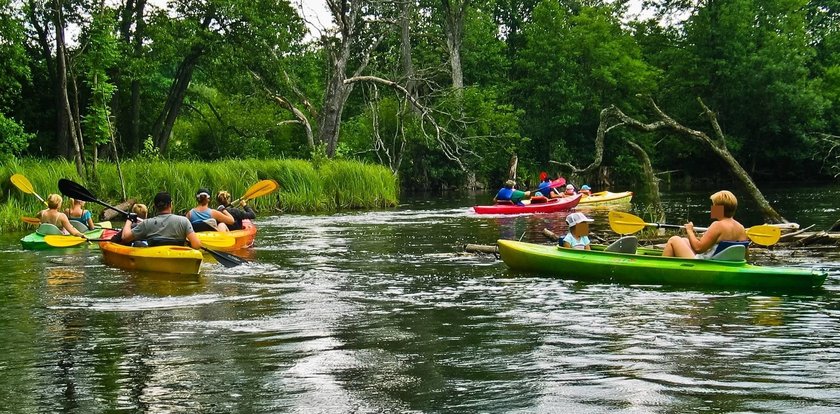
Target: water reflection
[381,312]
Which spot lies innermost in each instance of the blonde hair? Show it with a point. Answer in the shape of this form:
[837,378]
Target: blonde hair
[727,200]
[141,210]
[223,198]
[53,201]
[74,201]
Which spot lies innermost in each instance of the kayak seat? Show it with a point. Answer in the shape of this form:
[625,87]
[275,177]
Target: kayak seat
[79,226]
[538,199]
[626,244]
[733,253]
[47,229]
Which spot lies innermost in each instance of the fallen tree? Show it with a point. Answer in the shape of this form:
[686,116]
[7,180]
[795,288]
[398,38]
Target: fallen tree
[613,117]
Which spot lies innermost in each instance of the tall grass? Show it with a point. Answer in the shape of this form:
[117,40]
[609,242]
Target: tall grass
[332,186]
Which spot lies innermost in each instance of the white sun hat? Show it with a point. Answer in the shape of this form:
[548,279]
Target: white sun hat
[575,218]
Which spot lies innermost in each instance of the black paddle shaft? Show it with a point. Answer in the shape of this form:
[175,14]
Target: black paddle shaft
[75,190]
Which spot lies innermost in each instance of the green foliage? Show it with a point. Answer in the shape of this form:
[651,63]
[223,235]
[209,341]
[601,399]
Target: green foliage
[13,139]
[303,188]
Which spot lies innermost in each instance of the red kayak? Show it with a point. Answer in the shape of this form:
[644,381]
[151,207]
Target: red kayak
[551,206]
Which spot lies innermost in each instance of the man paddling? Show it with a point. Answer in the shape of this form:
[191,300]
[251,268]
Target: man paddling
[164,229]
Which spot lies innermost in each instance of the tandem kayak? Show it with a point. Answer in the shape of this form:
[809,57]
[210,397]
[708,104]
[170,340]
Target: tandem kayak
[244,238]
[35,241]
[606,198]
[163,259]
[652,270]
[551,206]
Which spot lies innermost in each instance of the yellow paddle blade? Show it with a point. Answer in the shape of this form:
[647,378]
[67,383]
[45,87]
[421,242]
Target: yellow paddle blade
[260,189]
[23,184]
[764,234]
[103,225]
[57,240]
[215,239]
[30,220]
[625,223]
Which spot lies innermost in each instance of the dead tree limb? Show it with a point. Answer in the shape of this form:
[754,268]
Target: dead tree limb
[613,117]
[448,142]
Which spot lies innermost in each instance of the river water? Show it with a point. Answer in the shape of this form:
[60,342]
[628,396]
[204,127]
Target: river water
[382,312]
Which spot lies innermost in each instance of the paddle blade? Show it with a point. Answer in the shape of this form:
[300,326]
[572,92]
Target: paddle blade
[56,240]
[215,239]
[764,234]
[22,183]
[74,190]
[260,189]
[31,220]
[226,259]
[625,223]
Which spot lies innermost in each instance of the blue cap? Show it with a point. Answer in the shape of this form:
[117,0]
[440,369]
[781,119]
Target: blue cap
[585,187]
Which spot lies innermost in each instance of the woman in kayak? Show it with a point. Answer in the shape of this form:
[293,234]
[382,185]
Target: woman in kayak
[239,214]
[51,215]
[724,229]
[509,194]
[164,229]
[78,213]
[204,218]
[578,237]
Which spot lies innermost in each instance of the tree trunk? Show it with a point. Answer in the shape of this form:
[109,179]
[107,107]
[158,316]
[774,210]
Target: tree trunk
[175,98]
[335,97]
[61,144]
[134,123]
[61,74]
[650,182]
[405,48]
[454,14]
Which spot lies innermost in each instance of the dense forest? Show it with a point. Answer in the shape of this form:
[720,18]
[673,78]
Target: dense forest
[445,93]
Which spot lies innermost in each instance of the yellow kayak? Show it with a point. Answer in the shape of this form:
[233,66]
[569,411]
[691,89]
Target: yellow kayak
[162,259]
[604,198]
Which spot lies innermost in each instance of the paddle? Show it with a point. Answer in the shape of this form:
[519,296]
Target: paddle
[30,220]
[263,187]
[626,223]
[75,190]
[23,184]
[59,240]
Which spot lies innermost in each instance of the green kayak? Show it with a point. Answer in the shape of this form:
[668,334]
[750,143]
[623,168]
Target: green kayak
[35,241]
[652,270]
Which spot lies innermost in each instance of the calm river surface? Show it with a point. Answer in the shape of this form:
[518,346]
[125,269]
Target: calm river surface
[381,312]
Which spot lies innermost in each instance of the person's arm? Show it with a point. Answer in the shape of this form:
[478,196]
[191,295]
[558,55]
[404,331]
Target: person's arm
[65,222]
[195,243]
[248,213]
[127,232]
[90,222]
[222,216]
[710,237]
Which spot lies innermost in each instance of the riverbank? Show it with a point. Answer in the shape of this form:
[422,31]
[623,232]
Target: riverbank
[304,187]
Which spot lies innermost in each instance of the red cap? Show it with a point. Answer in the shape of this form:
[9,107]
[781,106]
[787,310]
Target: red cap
[543,176]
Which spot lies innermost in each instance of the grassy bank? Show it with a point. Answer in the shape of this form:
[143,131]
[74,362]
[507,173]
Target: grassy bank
[332,186]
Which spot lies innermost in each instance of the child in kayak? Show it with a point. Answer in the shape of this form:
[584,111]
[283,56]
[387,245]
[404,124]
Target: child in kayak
[508,194]
[570,190]
[239,214]
[78,213]
[586,190]
[578,237]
